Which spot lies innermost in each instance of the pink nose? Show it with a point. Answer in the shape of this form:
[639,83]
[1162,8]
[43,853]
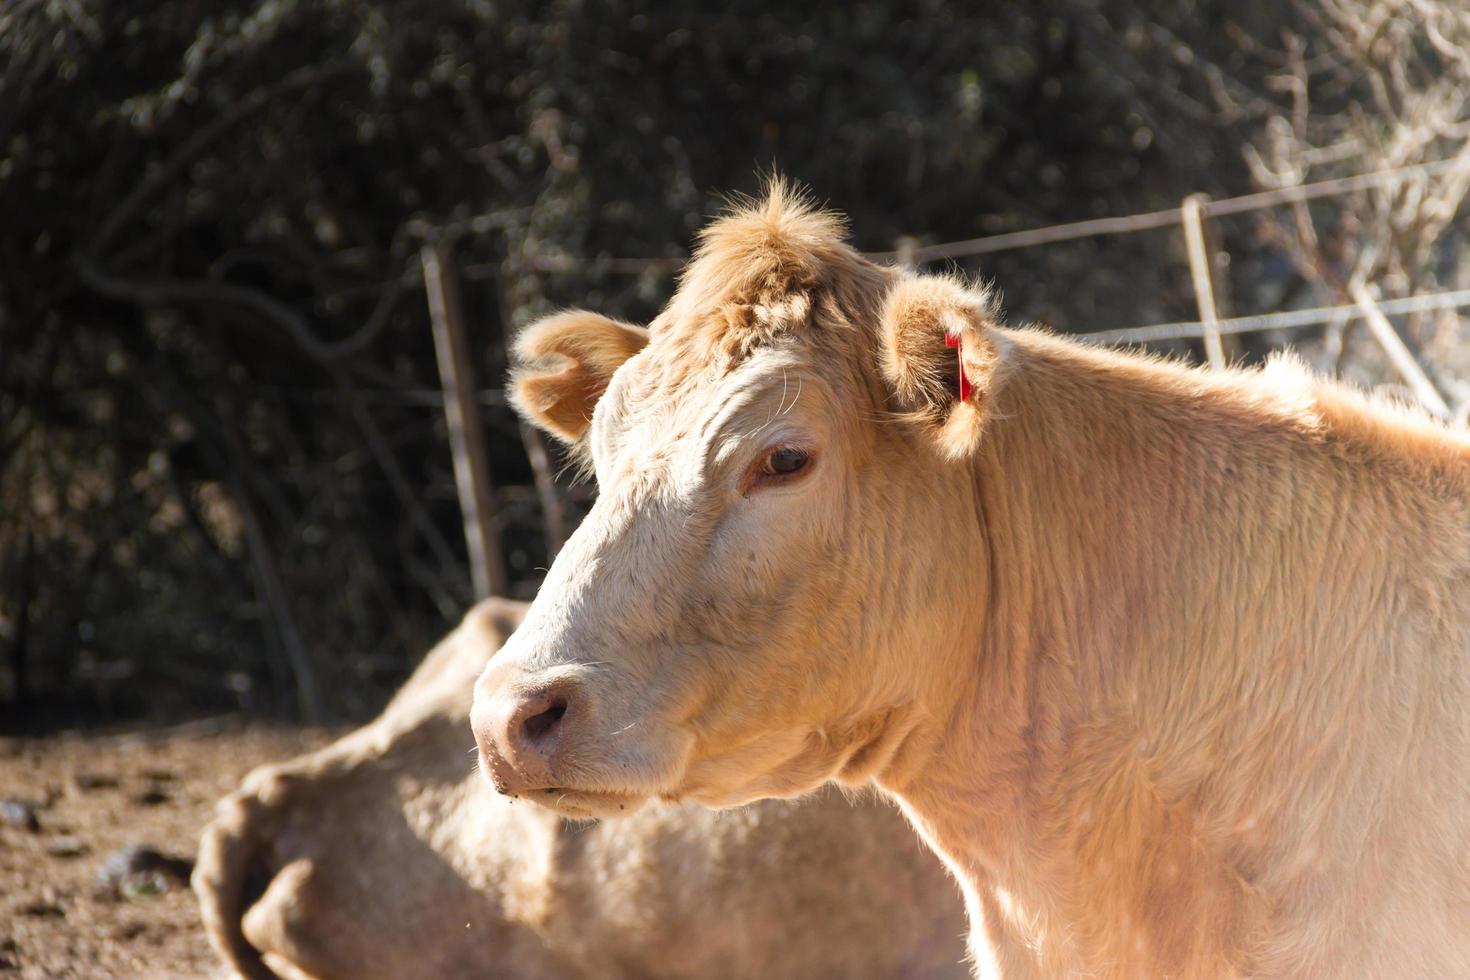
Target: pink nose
[518,736]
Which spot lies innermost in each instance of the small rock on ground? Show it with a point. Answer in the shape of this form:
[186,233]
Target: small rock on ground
[88,781]
[153,796]
[140,869]
[21,814]
[67,847]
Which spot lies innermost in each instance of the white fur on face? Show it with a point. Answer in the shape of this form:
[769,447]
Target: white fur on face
[724,620]
[740,626]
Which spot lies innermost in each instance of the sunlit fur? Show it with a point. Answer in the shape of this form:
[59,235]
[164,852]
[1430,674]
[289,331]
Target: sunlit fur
[566,362]
[1171,667]
[383,857]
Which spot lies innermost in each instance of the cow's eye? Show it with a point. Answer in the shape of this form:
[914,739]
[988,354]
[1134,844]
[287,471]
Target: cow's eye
[779,465]
[785,461]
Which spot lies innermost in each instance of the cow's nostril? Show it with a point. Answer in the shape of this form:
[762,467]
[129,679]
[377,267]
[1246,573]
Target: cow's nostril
[540,725]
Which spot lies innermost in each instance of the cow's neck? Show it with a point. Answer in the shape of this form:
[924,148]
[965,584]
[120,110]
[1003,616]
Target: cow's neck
[1037,726]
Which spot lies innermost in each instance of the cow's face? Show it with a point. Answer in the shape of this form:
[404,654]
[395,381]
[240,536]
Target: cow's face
[741,613]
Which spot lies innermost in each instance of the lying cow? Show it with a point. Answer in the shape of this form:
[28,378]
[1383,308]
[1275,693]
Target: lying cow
[385,855]
[1171,667]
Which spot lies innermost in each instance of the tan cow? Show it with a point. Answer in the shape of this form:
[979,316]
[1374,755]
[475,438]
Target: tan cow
[1171,667]
[385,856]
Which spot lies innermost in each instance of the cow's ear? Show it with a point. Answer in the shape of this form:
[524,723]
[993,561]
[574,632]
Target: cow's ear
[563,365]
[931,326]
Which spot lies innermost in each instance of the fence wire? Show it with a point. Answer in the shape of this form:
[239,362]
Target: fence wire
[1125,224]
[1194,329]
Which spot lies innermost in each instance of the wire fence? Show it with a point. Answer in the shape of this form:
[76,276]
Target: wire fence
[1209,328]
[1144,221]
[1285,320]
[1052,234]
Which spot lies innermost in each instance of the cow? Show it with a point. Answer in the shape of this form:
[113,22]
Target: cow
[384,855]
[1171,667]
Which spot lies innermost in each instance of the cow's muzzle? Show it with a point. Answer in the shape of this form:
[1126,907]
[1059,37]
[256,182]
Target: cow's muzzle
[519,734]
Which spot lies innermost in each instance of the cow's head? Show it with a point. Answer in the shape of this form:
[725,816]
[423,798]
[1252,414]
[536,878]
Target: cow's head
[762,595]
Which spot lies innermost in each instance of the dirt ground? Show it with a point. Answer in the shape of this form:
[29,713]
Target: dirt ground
[61,914]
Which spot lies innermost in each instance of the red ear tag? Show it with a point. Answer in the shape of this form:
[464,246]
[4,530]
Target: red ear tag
[965,386]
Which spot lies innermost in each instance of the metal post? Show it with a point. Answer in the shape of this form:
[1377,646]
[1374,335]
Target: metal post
[1191,216]
[461,413]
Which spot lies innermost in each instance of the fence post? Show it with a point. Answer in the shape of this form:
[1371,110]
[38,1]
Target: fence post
[1191,216]
[461,413]
[1393,345]
[905,253]
[553,514]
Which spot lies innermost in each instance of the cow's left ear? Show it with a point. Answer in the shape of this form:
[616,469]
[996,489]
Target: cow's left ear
[940,356]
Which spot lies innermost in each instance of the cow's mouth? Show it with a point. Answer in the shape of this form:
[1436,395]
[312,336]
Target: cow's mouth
[583,804]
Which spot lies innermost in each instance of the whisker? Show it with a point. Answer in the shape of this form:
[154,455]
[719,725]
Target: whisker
[794,398]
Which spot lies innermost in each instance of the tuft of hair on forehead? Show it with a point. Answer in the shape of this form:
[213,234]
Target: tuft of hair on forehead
[758,268]
[765,248]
